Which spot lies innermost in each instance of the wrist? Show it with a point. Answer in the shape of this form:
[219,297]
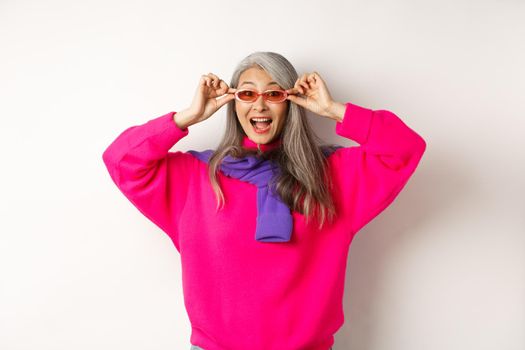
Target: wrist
[336,111]
[183,119]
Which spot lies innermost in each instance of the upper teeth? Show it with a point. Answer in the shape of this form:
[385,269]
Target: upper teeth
[261,119]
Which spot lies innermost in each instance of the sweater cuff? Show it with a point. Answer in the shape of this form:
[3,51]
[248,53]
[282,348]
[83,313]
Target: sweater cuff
[163,131]
[166,129]
[355,124]
[170,120]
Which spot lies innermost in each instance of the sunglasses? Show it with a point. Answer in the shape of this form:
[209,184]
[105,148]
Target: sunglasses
[272,96]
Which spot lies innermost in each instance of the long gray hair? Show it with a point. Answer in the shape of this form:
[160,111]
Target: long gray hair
[304,182]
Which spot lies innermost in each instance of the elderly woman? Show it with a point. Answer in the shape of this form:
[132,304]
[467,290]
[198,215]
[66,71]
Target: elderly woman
[263,224]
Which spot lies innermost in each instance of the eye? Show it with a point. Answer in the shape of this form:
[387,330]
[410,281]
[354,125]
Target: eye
[246,95]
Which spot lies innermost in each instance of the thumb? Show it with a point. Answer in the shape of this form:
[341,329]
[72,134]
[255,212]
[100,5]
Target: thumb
[297,100]
[223,100]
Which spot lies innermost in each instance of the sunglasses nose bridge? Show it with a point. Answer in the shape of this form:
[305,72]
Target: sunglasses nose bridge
[259,100]
[257,95]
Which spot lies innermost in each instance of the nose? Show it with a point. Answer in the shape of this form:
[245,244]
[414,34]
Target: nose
[259,104]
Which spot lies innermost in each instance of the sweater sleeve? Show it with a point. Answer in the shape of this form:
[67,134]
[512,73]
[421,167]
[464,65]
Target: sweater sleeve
[372,174]
[153,179]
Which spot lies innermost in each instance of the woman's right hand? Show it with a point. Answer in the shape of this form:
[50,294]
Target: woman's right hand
[205,101]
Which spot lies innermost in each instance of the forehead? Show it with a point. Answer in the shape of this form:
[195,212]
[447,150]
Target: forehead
[253,77]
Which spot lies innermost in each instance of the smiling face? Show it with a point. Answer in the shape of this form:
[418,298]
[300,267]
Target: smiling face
[259,80]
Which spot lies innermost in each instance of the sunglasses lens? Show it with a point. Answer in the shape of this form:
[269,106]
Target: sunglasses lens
[275,96]
[246,95]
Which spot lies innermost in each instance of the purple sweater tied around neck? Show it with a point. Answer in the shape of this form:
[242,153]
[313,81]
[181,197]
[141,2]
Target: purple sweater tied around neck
[274,219]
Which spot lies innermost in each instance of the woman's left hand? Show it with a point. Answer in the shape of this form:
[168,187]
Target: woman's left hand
[316,97]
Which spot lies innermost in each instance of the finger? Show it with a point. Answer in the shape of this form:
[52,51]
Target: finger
[223,86]
[223,100]
[292,91]
[298,87]
[311,83]
[305,85]
[203,81]
[211,77]
[319,79]
[303,77]
[232,90]
[299,82]
[215,79]
[303,81]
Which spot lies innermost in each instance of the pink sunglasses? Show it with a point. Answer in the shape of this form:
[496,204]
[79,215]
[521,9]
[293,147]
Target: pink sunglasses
[272,96]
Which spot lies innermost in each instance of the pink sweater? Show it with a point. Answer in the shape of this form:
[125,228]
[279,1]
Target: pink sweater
[240,293]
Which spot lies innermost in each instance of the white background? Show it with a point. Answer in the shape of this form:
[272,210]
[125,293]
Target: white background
[80,268]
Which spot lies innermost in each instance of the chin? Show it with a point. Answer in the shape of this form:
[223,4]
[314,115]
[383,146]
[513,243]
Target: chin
[262,138]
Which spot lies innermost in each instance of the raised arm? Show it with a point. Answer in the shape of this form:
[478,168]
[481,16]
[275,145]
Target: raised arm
[152,178]
[372,174]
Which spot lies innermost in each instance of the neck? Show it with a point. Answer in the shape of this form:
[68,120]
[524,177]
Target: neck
[247,143]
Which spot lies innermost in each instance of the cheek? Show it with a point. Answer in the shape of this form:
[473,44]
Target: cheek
[241,111]
[281,111]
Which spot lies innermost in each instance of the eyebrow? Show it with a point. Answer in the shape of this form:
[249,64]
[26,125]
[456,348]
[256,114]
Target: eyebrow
[251,82]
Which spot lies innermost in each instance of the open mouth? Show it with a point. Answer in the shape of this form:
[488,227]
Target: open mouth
[261,124]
